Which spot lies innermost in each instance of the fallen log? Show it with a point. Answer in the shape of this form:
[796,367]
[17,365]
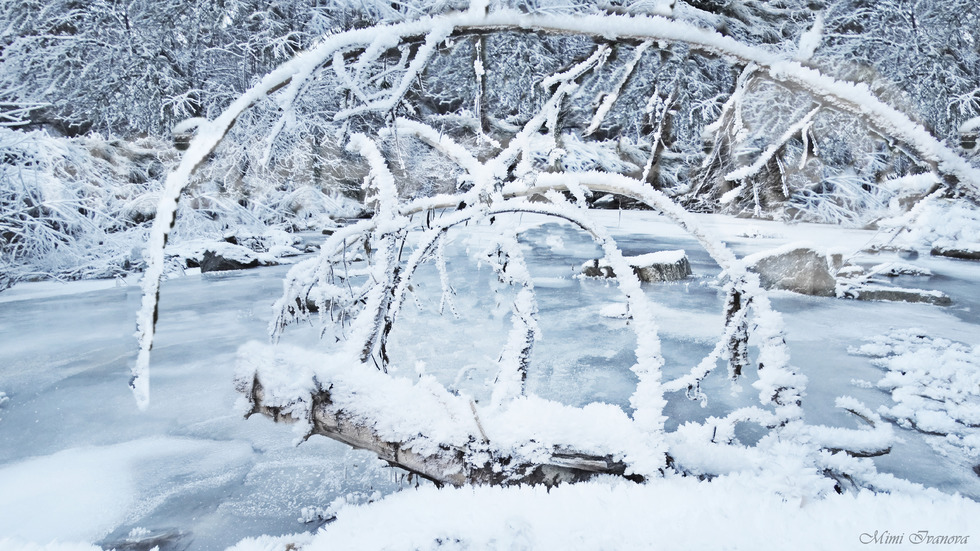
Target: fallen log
[458,460]
[419,426]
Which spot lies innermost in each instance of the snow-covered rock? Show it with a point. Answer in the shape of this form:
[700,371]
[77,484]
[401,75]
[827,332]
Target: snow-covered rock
[855,283]
[651,268]
[216,262]
[216,256]
[184,131]
[796,268]
[895,269]
[961,250]
[851,271]
[236,252]
[896,294]
[142,538]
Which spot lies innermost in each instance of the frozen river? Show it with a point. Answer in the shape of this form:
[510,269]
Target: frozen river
[80,462]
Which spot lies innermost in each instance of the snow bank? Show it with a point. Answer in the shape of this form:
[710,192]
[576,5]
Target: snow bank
[670,514]
[938,223]
[77,494]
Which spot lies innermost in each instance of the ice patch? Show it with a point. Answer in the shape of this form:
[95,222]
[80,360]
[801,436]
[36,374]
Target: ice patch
[82,494]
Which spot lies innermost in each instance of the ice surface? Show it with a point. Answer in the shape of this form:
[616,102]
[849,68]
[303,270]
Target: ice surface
[79,462]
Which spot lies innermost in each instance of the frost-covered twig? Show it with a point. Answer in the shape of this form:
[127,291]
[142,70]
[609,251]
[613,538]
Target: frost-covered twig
[371,327]
[799,127]
[507,260]
[439,32]
[610,97]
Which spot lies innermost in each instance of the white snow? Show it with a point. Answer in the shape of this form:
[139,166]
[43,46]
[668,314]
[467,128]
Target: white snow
[934,383]
[970,125]
[660,257]
[724,468]
[679,513]
[17,544]
[35,290]
[187,126]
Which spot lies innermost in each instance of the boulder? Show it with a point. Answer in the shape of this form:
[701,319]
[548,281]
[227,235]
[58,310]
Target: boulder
[895,269]
[795,268]
[592,268]
[650,268]
[215,262]
[897,294]
[219,256]
[661,266]
[963,251]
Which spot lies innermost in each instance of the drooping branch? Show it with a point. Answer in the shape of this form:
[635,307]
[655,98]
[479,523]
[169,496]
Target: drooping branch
[496,189]
[799,127]
[507,259]
[438,33]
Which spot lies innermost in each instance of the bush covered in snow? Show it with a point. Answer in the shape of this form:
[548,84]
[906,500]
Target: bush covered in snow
[74,208]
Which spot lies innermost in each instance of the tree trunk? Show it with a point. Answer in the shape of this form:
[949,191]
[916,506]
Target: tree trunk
[452,465]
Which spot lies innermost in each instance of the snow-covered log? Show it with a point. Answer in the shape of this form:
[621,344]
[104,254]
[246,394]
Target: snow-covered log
[449,465]
[422,428]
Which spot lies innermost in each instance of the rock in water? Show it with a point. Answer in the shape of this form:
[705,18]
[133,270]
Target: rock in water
[650,268]
[661,266]
[794,268]
[219,256]
[897,294]
[214,262]
[964,251]
[592,268]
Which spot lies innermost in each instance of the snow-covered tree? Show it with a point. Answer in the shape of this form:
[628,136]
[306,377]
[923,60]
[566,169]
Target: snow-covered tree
[466,117]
